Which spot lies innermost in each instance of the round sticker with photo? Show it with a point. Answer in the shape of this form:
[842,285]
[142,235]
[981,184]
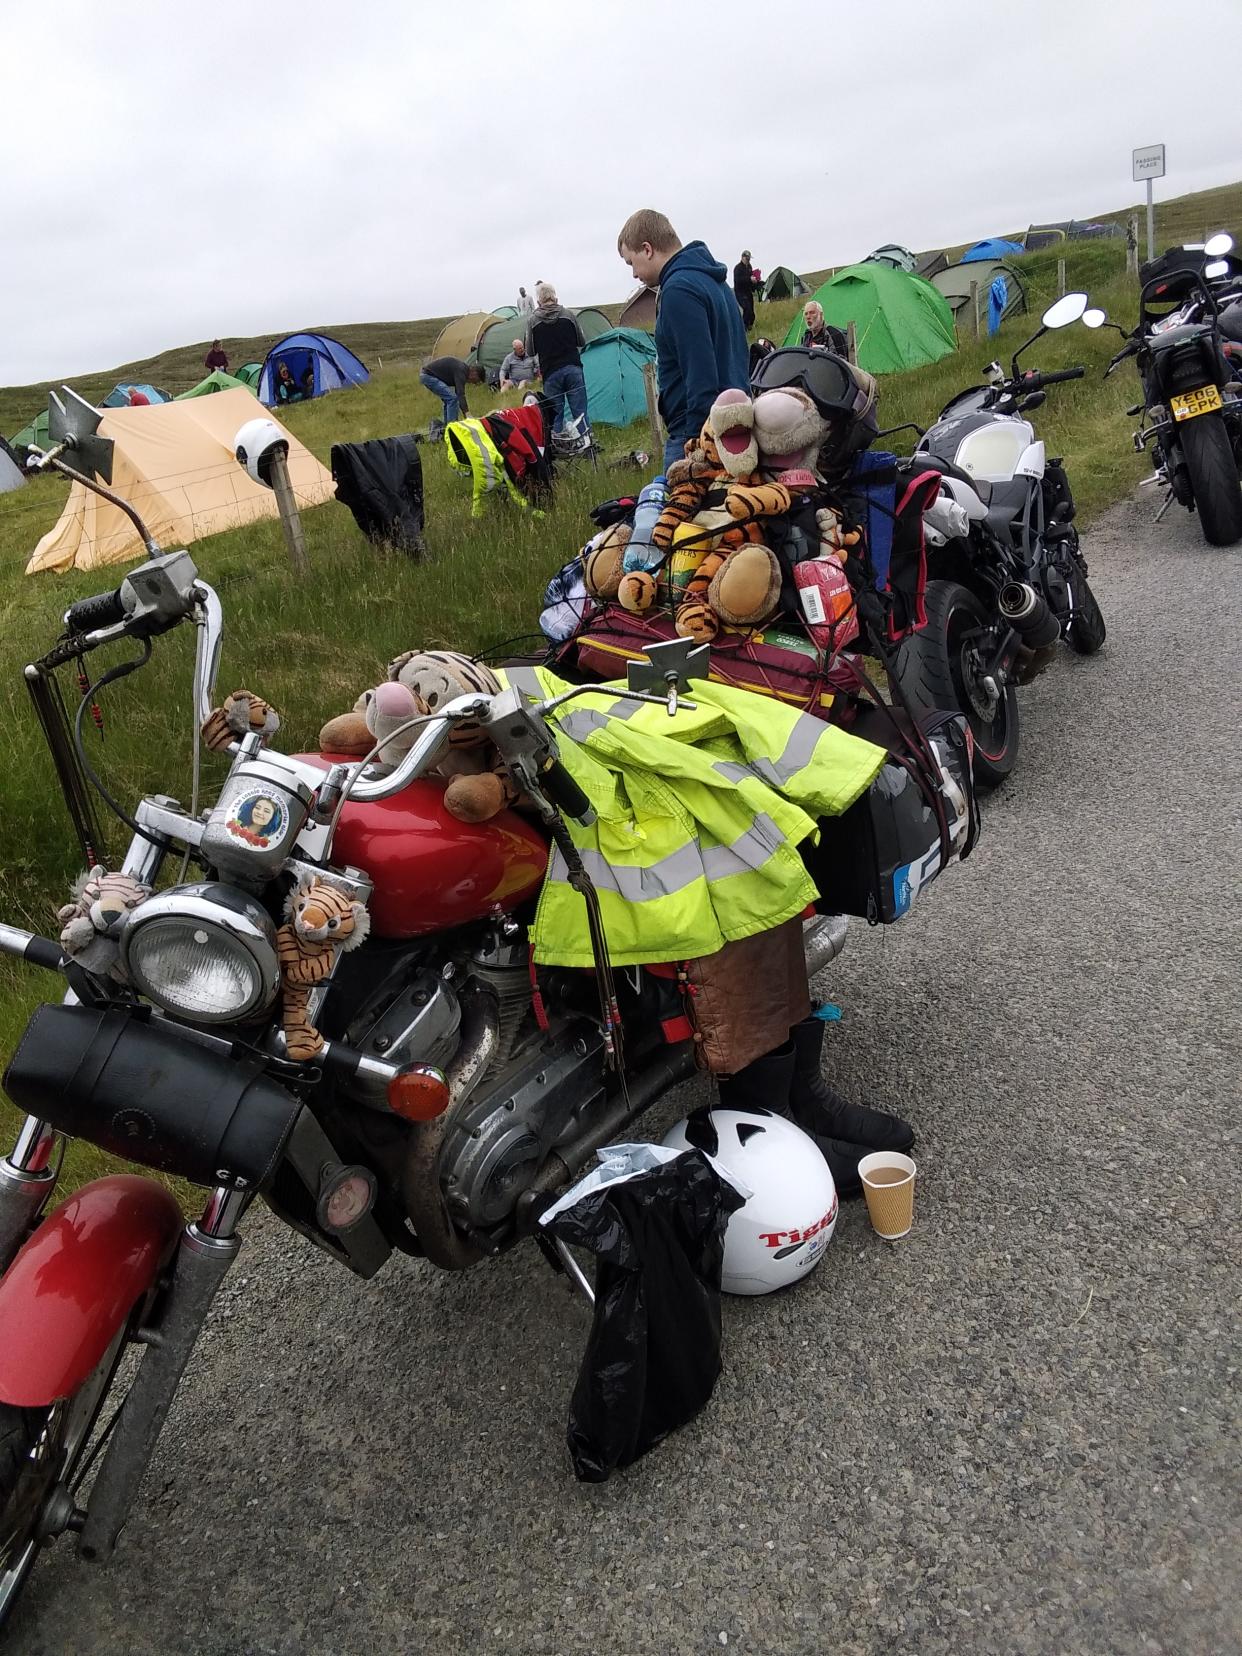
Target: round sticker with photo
[256,818]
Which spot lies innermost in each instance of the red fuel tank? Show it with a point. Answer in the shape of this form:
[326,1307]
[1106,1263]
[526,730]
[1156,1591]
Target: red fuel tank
[431,872]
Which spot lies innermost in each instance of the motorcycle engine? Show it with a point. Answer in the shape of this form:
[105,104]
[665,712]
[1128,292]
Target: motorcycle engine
[544,1096]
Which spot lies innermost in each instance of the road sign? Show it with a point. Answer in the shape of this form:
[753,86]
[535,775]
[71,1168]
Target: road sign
[1148,162]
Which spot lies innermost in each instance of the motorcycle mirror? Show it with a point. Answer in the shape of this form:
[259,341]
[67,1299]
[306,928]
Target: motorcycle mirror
[1069,308]
[1216,246]
[1095,318]
[1218,267]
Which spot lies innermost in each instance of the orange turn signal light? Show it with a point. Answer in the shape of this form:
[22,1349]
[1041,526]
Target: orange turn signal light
[419,1093]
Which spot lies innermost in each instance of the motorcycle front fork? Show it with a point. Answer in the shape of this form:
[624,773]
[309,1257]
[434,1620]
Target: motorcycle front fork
[27,1178]
[207,1248]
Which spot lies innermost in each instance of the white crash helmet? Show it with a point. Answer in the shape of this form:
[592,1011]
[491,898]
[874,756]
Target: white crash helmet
[780,1234]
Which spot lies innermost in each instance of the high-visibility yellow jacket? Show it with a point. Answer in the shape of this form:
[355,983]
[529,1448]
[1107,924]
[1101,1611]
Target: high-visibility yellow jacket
[700,817]
[472,452]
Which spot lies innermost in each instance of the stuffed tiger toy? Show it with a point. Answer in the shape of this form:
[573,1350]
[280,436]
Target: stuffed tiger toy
[717,501]
[320,923]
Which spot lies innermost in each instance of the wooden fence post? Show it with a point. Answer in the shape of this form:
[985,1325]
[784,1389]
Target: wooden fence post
[851,343]
[1060,278]
[290,521]
[974,308]
[653,407]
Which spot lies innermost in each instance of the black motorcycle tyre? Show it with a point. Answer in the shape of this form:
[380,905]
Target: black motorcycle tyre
[928,670]
[1086,631]
[1213,474]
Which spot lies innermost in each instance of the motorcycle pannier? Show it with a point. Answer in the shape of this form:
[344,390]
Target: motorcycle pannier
[875,858]
[146,1094]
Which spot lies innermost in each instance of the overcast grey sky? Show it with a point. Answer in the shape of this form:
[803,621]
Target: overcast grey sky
[176,171]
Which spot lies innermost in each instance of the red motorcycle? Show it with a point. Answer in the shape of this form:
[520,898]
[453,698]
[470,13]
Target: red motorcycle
[447,1101]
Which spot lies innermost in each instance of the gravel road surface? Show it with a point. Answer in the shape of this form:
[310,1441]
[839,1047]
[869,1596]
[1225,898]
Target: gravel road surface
[1016,1431]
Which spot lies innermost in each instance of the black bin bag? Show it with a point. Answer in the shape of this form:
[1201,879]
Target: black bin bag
[381,482]
[653,1356]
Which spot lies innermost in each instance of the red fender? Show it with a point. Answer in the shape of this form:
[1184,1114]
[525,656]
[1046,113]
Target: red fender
[76,1280]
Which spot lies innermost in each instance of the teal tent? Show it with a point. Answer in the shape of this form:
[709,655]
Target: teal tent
[217,380]
[118,397]
[899,319]
[249,374]
[613,366]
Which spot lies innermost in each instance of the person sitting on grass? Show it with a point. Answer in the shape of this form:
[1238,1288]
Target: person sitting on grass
[517,368]
[821,333]
[287,388]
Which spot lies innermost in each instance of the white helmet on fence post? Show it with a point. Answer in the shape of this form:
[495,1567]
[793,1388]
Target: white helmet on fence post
[780,1234]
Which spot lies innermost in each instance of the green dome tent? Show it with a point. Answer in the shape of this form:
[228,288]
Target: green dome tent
[612,365]
[593,323]
[249,374]
[496,341]
[217,380]
[955,283]
[900,320]
[783,283]
[34,435]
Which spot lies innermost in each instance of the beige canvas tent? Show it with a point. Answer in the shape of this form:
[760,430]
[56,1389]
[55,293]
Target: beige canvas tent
[174,464]
[639,310]
[459,337]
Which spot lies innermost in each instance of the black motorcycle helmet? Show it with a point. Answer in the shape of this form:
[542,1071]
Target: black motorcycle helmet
[845,395]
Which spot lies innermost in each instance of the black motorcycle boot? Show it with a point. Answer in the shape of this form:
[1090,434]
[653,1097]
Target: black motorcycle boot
[766,1085]
[825,1114]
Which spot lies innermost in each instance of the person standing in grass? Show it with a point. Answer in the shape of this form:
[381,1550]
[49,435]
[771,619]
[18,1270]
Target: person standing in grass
[555,337]
[744,288]
[217,357]
[700,340]
[447,377]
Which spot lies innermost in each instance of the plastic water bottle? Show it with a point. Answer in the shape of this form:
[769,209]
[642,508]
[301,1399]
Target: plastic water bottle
[640,553]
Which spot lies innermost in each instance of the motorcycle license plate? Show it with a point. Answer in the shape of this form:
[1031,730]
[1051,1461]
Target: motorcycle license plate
[1202,401]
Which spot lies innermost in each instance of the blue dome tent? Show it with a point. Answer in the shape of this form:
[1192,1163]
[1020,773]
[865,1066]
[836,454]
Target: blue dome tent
[996,248]
[329,364]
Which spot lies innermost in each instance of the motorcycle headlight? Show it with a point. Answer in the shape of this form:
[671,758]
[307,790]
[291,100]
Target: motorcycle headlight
[205,952]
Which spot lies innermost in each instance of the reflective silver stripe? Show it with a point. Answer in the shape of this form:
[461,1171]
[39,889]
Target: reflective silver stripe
[681,868]
[525,679]
[799,751]
[748,852]
[585,721]
[475,435]
[636,885]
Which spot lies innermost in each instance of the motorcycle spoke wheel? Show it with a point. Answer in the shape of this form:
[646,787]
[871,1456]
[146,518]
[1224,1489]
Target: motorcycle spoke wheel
[39,1450]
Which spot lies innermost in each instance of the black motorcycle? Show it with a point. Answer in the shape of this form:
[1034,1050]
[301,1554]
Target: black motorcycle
[1190,324]
[1007,576]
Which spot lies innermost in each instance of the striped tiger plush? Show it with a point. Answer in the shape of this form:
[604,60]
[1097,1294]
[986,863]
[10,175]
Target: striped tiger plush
[436,676]
[321,922]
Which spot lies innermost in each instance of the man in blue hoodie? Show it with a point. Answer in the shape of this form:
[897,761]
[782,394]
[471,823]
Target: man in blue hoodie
[700,338]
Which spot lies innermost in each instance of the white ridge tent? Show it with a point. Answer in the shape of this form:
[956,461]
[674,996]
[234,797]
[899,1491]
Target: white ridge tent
[174,463]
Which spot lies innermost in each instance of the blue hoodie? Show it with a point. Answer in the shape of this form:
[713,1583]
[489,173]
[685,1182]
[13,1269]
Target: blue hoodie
[700,339]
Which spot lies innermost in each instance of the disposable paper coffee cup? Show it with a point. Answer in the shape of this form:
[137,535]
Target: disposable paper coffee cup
[888,1185]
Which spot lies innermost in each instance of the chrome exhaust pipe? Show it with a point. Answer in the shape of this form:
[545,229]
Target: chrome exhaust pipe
[823,938]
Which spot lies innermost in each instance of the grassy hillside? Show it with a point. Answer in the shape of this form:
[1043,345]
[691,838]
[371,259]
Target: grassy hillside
[388,345]
[311,646]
